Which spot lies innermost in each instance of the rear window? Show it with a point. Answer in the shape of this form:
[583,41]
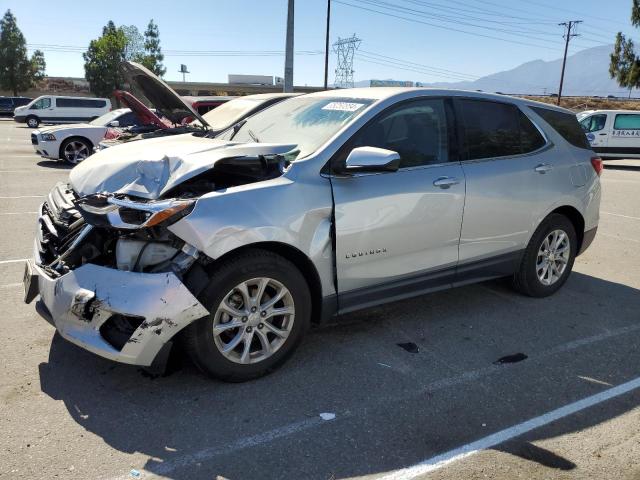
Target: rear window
[566,124]
[627,121]
[494,129]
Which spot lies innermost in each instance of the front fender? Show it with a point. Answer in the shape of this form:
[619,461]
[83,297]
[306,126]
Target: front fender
[297,214]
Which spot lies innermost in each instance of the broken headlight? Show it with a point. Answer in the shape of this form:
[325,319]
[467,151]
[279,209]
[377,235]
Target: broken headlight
[106,210]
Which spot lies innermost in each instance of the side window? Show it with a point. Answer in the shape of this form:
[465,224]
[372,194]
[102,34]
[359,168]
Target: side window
[530,138]
[566,124]
[416,130]
[593,123]
[41,104]
[491,129]
[627,121]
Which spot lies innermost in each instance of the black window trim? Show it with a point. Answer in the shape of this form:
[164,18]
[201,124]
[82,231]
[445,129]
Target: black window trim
[460,127]
[452,136]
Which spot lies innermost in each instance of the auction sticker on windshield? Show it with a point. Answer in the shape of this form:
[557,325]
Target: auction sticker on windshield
[343,106]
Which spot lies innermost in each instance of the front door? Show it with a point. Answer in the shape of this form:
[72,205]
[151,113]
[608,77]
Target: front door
[597,130]
[397,233]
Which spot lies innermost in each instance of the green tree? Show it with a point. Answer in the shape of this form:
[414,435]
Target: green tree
[153,56]
[624,64]
[17,71]
[102,58]
[134,48]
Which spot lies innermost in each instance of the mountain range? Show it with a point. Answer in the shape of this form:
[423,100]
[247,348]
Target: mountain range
[586,74]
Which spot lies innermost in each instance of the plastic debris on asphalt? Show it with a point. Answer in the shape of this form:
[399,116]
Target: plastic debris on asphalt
[135,473]
[327,416]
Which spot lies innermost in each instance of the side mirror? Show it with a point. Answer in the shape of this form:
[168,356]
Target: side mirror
[372,159]
[114,123]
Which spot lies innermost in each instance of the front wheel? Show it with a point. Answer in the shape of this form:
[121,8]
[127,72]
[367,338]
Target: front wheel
[548,259]
[260,308]
[75,150]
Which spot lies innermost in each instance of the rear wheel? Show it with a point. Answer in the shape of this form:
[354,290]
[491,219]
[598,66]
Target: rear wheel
[260,308]
[75,150]
[33,122]
[548,259]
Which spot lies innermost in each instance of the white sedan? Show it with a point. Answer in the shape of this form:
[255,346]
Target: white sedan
[73,143]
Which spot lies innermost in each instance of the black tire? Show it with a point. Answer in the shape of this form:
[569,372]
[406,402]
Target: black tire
[526,279]
[32,121]
[198,338]
[86,143]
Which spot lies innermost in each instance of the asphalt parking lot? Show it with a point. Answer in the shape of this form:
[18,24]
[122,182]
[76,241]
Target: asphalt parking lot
[410,390]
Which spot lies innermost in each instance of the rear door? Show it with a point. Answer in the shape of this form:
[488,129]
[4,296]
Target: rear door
[397,233]
[625,135]
[503,166]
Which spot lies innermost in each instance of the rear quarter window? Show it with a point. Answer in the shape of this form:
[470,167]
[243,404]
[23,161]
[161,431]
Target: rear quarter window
[566,124]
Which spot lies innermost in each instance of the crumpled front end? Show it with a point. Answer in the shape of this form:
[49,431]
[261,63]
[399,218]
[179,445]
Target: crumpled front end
[117,292]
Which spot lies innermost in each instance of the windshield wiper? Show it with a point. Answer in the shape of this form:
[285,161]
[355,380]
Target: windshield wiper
[253,136]
[236,128]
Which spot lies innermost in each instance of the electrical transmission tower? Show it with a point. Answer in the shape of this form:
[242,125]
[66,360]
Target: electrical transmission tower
[345,49]
[570,27]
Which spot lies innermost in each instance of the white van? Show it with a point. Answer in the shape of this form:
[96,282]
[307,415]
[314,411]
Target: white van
[612,133]
[55,109]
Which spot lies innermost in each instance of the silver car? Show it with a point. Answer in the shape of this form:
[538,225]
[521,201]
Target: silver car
[320,205]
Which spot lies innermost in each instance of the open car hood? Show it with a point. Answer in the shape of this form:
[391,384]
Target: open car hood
[150,168]
[161,95]
[146,116]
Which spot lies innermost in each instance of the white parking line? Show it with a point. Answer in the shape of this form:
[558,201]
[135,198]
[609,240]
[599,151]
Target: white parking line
[22,196]
[444,459]
[17,260]
[622,216]
[624,239]
[18,213]
[11,285]
[169,466]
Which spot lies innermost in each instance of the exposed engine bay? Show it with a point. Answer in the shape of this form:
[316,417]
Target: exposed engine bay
[127,233]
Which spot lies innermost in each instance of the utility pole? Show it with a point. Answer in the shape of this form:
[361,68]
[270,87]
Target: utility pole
[288,59]
[326,46]
[569,26]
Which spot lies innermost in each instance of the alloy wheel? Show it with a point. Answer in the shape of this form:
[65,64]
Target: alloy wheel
[553,257]
[253,320]
[75,151]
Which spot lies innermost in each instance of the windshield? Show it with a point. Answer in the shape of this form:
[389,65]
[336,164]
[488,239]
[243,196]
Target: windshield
[307,121]
[228,113]
[103,120]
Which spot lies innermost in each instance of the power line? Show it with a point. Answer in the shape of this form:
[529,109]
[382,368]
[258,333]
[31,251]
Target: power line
[414,20]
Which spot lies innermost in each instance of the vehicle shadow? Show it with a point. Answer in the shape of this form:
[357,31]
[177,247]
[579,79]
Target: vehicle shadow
[633,168]
[394,408]
[59,165]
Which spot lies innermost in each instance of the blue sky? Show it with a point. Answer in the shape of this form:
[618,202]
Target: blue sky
[439,48]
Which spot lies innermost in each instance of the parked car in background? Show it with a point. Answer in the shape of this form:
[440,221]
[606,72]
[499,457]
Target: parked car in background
[74,143]
[178,111]
[203,104]
[612,133]
[9,104]
[57,109]
[319,205]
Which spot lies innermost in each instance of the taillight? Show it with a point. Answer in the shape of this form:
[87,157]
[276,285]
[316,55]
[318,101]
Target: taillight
[598,166]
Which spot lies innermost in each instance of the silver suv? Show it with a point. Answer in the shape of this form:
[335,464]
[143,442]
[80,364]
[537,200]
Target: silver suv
[320,205]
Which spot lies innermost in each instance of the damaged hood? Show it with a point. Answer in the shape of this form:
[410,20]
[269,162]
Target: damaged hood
[148,169]
[161,95]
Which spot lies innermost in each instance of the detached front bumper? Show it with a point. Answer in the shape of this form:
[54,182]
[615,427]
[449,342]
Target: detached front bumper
[90,305]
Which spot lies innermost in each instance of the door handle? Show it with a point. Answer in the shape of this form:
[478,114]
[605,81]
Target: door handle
[445,182]
[543,168]
[602,134]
